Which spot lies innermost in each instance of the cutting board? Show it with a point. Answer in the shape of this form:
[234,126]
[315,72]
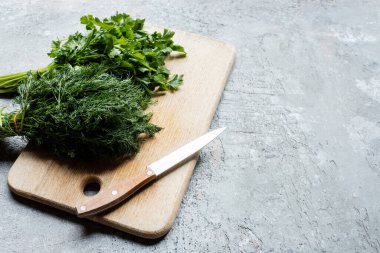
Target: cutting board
[184,115]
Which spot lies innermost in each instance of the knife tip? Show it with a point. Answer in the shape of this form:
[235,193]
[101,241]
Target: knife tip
[220,130]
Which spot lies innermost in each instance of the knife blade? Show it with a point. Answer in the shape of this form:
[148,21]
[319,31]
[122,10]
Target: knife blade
[114,195]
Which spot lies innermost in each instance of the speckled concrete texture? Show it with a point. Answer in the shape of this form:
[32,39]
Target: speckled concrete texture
[298,169]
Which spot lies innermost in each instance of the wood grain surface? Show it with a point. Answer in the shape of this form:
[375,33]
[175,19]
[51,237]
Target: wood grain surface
[184,115]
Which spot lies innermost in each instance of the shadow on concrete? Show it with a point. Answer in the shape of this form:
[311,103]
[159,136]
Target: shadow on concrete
[11,148]
[8,96]
[89,227]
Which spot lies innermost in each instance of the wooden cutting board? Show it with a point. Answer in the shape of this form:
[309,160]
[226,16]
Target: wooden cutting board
[184,115]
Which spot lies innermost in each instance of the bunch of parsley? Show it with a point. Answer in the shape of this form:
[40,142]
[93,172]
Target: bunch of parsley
[119,41]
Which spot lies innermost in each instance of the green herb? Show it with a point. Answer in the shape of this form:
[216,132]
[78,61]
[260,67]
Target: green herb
[120,42]
[80,112]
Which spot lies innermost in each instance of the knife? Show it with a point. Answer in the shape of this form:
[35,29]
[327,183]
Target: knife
[116,194]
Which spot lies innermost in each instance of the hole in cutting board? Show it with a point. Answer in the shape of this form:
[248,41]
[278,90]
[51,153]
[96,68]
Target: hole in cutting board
[91,187]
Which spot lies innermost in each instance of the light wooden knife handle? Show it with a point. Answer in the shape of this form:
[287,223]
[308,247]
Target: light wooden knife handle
[114,195]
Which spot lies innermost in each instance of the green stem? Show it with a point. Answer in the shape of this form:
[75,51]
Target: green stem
[9,83]
[12,76]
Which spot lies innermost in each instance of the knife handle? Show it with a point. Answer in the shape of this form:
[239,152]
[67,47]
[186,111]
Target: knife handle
[114,195]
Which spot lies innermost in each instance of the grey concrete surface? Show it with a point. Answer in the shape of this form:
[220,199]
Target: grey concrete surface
[298,169]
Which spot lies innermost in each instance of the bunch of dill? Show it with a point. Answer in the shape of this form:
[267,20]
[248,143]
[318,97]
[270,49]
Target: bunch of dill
[80,112]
